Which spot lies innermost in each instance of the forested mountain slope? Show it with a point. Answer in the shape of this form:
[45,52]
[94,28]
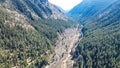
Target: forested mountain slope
[34,8]
[100,46]
[87,9]
[28,32]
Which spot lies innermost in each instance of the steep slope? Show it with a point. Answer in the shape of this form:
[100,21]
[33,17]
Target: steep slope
[100,46]
[87,9]
[37,8]
[28,32]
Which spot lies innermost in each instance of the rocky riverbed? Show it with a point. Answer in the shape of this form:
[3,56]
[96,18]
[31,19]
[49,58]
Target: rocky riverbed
[61,58]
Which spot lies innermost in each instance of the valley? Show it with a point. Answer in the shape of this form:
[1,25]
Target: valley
[61,58]
[37,34]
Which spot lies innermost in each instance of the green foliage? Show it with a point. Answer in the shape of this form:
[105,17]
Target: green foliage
[28,48]
[49,27]
[100,46]
[18,44]
[34,8]
[19,5]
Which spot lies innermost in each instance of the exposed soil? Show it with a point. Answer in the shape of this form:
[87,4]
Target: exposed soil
[61,58]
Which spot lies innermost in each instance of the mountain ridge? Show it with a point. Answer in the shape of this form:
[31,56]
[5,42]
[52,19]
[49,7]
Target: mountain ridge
[42,9]
[30,29]
[28,32]
[87,9]
[99,47]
